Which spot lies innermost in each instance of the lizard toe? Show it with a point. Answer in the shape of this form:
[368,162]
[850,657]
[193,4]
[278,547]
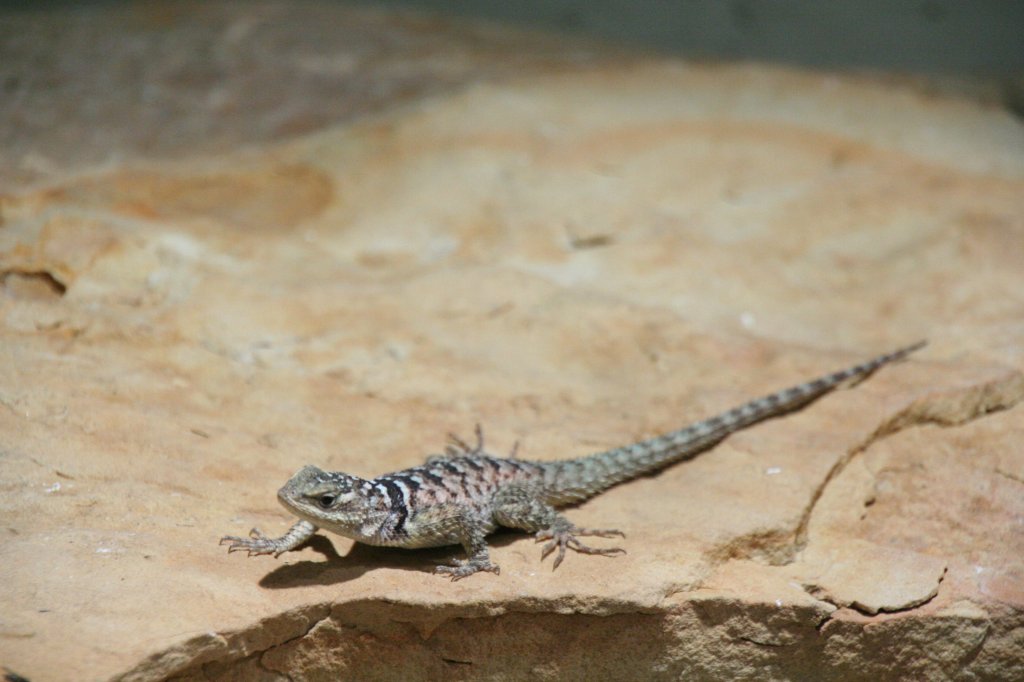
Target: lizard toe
[563,538]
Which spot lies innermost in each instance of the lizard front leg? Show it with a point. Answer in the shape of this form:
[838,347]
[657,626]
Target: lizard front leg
[459,524]
[257,543]
[522,507]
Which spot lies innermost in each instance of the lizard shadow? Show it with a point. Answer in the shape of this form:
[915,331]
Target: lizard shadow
[361,559]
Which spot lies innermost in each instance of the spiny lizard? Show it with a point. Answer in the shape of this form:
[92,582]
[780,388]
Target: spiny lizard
[462,496]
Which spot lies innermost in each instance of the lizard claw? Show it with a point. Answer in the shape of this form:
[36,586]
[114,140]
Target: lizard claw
[256,544]
[562,537]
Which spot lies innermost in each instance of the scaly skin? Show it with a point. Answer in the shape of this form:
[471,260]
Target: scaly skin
[461,497]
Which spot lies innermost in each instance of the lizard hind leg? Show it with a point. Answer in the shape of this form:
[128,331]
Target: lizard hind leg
[522,507]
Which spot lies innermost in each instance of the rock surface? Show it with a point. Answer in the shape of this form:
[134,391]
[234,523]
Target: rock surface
[577,259]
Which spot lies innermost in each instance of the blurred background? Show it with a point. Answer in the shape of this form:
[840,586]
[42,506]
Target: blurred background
[87,82]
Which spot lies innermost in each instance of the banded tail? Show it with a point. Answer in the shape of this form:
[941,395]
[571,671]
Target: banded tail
[575,480]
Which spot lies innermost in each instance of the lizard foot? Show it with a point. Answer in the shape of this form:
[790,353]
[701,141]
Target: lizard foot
[256,544]
[564,535]
[467,567]
[457,447]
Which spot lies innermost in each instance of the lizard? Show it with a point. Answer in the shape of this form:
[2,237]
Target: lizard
[460,497]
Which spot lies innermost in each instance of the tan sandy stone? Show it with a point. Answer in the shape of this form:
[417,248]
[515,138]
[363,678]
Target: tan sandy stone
[871,578]
[577,259]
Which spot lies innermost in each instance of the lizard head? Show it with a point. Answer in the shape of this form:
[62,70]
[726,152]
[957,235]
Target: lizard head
[338,502]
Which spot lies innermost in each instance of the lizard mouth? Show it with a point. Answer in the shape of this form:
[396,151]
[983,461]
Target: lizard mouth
[289,502]
[284,498]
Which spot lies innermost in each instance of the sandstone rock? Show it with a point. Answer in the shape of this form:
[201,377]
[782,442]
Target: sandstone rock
[577,259]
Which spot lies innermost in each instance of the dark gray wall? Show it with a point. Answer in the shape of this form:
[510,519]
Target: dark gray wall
[984,37]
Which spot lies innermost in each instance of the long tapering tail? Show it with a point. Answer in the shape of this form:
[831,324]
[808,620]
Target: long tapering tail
[575,480]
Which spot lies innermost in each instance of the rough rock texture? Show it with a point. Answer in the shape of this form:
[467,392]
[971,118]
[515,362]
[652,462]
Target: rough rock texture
[576,260]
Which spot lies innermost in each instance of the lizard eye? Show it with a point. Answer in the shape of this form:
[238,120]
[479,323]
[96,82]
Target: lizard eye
[326,500]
